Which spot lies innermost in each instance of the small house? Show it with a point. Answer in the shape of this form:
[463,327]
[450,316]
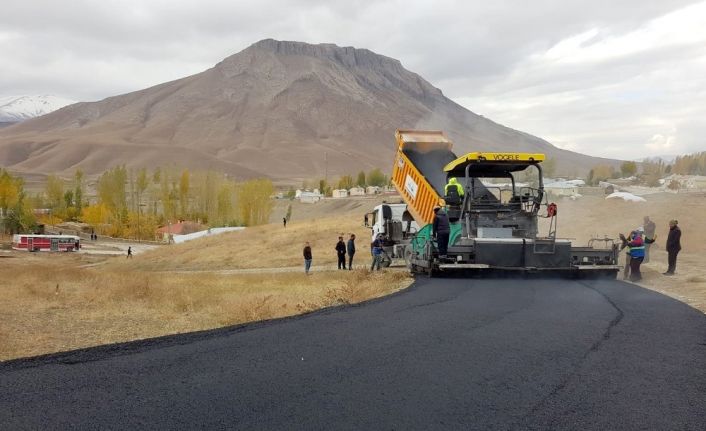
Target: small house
[309,197]
[356,191]
[339,193]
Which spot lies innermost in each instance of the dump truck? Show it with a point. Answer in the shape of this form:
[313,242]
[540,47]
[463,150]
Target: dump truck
[396,227]
[494,220]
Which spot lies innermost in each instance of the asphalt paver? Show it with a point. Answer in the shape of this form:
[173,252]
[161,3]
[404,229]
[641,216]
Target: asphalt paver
[444,354]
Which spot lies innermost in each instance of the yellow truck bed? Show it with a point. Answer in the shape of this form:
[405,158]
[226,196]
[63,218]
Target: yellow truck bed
[418,171]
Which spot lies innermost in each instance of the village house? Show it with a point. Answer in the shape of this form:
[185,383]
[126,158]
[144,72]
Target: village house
[339,193]
[309,197]
[356,191]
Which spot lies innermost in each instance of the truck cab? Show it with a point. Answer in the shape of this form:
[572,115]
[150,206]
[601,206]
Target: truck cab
[396,225]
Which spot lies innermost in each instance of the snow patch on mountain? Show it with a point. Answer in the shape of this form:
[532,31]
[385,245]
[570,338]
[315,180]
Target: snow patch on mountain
[20,108]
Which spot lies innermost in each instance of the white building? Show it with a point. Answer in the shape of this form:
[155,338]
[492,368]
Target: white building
[356,191]
[372,190]
[339,193]
[309,197]
[563,188]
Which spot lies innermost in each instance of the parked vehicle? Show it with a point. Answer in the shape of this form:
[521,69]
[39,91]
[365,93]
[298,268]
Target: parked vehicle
[46,242]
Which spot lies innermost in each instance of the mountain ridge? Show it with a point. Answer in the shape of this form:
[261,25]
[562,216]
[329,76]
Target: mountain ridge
[285,110]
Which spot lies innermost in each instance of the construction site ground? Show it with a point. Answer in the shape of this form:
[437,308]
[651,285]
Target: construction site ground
[53,301]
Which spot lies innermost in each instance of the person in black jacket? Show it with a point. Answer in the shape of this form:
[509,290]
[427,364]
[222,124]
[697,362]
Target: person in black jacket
[441,230]
[673,246]
[307,258]
[341,252]
[351,251]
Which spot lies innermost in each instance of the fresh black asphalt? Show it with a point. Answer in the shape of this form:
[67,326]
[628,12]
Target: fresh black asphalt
[445,354]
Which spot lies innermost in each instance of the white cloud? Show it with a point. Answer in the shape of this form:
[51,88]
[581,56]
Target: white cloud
[600,77]
[661,143]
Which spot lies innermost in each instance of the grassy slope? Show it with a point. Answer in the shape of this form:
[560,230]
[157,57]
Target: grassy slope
[125,300]
[268,246]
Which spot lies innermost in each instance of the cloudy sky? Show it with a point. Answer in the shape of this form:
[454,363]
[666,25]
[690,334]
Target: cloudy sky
[623,79]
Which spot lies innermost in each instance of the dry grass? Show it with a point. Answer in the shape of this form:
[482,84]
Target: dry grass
[57,308]
[268,246]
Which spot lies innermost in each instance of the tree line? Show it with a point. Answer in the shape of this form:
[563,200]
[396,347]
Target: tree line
[692,164]
[16,213]
[132,203]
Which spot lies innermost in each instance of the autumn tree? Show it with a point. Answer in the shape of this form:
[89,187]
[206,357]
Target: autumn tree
[345,182]
[360,182]
[600,173]
[693,164]
[54,192]
[141,184]
[652,171]
[225,204]
[628,169]
[184,193]
[376,178]
[111,189]
[254,202]
[78,189]
[97,216]
[16,214]
[10,191]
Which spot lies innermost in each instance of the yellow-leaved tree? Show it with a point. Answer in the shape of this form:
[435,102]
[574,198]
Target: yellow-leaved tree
[254,201]
[98,216]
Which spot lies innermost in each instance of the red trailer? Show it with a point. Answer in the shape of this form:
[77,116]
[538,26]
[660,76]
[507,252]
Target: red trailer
[44,242]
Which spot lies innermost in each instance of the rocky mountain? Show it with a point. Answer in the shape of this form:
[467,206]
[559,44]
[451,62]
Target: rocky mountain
[285,110]
[14,109]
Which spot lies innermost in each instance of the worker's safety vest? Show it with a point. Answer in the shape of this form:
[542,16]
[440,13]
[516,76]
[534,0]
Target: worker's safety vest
[637,251]
[459,188]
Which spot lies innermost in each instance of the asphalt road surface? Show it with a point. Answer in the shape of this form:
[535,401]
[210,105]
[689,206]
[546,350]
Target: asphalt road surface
[445,354]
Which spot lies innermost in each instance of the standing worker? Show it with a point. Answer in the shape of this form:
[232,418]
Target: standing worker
[376,250]
[129,252]
[307,257]
[650,229]
[341,253]
[637,254]
[673,246]
[441,230]
[284,222]
[351,251]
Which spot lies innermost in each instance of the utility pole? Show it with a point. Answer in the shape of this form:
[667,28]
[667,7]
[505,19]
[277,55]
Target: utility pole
[325,169]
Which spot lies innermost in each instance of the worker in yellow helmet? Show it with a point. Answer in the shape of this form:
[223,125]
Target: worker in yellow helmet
[453,182]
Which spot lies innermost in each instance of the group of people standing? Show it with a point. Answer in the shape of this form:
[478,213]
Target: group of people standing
[345,247]
[342,249]
[348,248]
[638,244]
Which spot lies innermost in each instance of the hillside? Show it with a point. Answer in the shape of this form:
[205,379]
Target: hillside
[286,110]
